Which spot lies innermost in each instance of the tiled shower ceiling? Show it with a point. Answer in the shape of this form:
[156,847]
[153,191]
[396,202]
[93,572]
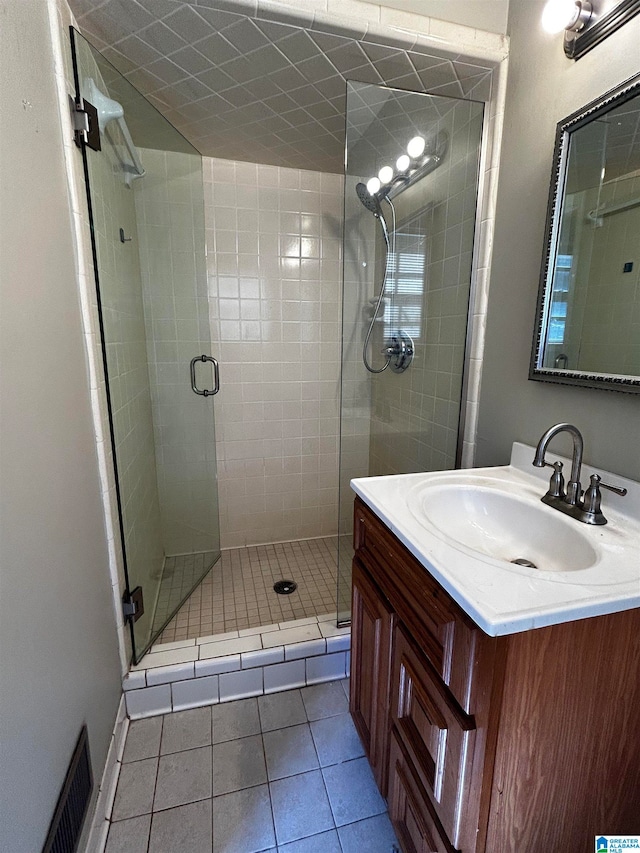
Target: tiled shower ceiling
[248,88]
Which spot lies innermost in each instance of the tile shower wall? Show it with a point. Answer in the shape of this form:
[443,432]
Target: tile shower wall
[415,414]
[274,239]
[169,203]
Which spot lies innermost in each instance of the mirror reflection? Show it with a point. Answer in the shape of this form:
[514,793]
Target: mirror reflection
[590,292]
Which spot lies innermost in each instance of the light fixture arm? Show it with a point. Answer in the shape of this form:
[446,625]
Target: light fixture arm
[585,23]
[582,19]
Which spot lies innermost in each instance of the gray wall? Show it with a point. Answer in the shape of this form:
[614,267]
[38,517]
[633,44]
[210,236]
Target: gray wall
[544,87]
[58,653]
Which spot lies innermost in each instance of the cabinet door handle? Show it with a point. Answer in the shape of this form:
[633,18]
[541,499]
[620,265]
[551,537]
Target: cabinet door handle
[216,376]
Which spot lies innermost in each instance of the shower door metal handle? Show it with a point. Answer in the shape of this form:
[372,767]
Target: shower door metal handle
[216,376]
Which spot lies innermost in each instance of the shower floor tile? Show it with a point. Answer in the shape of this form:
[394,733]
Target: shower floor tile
[238,591]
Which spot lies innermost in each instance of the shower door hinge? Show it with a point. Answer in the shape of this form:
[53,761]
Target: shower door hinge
[85,124]
[133,604]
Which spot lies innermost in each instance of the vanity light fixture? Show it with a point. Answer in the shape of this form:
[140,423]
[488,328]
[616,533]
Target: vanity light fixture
[416,147]
[373,185]
[403,162]
[584,23]
[571,15]
[385,175]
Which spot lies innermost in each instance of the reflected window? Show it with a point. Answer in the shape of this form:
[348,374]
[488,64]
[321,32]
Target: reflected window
[560,296]
[407,280]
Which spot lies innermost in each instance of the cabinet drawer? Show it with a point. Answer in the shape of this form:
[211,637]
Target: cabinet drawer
[445,634]
[437,735]
[413,817]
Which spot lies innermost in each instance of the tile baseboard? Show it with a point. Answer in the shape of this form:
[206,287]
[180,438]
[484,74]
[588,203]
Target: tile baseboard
[160,684]
[99,827]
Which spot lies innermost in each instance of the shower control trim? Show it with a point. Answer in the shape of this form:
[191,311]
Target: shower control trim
[400,351]
[216,376]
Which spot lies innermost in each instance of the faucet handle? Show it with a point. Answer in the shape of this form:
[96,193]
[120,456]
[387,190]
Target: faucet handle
[556,483]
[591,503]
[616,489]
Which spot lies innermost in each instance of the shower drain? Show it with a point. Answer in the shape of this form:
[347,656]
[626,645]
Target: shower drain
[522,561]
[285,587]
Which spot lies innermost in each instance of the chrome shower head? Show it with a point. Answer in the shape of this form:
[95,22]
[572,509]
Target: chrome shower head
[372,203]
[369,201]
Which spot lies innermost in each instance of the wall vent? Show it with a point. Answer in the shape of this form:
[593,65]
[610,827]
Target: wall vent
[71,809]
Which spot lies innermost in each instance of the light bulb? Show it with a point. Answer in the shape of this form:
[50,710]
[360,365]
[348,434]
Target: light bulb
[403,162]
[416,146]
[373,185]
[559,15]
[386,174]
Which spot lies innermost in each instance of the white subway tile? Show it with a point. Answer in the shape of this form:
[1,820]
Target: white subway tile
[298,623]
[121,728]
[215,666]
[263,657]
[230,647]
[97,840]
[339,644]
[195,693]
[238,685]
[329,629]
[217,638]
[284,676]
[306,649]
[149,701]
[168,674]
[259,629]
[326,668]
[289,636]
[166,647]
[152,660]
[134,680]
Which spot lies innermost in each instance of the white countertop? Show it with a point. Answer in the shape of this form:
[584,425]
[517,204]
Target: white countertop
[502,598]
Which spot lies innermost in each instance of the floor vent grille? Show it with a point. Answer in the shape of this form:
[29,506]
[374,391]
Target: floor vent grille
[71,809]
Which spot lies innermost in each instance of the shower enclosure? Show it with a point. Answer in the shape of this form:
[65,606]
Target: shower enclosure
[409,218]
[146,208]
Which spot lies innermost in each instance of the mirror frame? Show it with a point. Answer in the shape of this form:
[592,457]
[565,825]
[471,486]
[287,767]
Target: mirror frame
[592,111]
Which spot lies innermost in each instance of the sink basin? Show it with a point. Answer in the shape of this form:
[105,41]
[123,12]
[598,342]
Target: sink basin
[503,526]
[466,526]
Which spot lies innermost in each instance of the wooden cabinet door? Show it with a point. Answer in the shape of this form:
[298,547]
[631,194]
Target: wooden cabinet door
[437,735]
[372,623]
[413,817]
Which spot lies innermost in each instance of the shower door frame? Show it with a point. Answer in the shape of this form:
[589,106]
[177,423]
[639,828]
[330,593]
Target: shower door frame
[131,598]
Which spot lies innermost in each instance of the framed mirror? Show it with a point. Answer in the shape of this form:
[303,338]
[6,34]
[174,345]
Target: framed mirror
[588,313]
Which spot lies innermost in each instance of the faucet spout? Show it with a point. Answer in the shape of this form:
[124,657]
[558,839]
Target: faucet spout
[573,486]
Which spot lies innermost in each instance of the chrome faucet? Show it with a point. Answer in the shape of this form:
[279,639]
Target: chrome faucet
[571,502]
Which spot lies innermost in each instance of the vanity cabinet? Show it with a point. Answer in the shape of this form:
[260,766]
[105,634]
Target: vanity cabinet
[490,744]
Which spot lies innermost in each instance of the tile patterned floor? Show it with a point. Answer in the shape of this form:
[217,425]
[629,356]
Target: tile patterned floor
[238,592]
[283,772]
[179,575]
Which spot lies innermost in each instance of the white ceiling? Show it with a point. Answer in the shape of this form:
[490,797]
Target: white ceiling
[242,86]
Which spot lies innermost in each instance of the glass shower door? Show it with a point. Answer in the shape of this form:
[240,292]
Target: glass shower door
[400,422]
[146,203]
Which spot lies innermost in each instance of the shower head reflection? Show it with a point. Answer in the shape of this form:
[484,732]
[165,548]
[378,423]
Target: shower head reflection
[369,201]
